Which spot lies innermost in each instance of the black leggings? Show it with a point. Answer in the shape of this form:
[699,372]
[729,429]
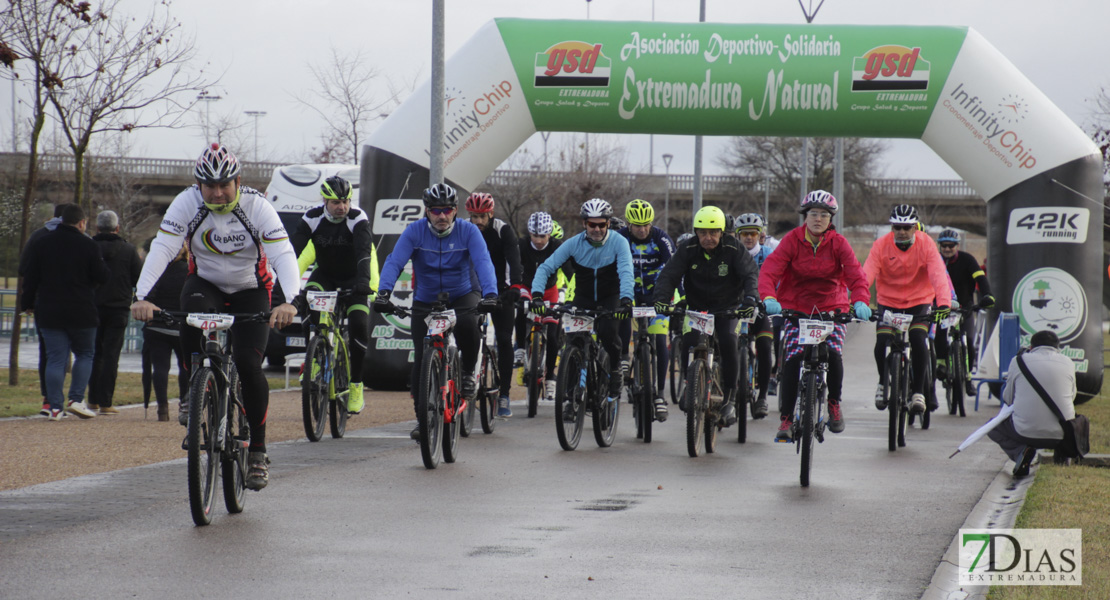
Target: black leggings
[661,355]
[919,345]
[503,331]
[159,347]
[606,328]
[728,356]
[791,372]
[466,336]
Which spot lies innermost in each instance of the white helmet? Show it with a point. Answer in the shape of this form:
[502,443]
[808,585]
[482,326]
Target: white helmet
[540,223]
[903,214]
[749,221]
[597,209]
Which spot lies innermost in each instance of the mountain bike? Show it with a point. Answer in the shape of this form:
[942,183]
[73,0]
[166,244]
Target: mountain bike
[489,383]
[899,374]
[217,432]
[327,368]
[535,362]
[644,366]
[959,367]
[746,393]
[674,362]
[582,383]
[809,411]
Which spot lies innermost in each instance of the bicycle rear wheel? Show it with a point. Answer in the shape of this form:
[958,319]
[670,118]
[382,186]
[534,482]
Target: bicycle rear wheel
[697,405]
[905,377]
[487,390]
[314,388]
[958,373]
[429,411]
[892,391]
[341,378]
[570,395]
[674,367]
[534,372]
[452,397]
[808,398]
[467,415]
[201,439]
[930,395]
[233,467]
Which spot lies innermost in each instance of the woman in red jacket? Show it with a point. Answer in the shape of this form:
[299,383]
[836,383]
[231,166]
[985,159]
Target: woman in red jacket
[813,269]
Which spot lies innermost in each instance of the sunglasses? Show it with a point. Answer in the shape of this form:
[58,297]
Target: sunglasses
[593,225]
[948,246]
[439,211]
[902,227]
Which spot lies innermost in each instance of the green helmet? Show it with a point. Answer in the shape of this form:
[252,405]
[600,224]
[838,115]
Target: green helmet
[556,230]
[709,217]
[639,212]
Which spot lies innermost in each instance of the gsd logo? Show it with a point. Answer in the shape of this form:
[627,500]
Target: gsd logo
[572,64]
[890,68]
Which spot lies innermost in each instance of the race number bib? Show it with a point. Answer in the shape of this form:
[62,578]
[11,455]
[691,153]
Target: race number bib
[643,312]
[812,331]
[700,321]
[441,322]
[899,321]
[321,301]
[577,323]
[209,321]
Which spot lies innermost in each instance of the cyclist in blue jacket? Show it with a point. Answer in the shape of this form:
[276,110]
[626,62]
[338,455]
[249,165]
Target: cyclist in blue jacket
[448,256]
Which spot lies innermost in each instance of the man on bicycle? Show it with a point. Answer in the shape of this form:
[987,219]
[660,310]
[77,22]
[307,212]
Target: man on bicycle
[965,274]
[813,270]
[909,277]
[717,275]
[651,249]
[749,228]
[603,274]
[449,256]
[234,238]
[345,258]
[535,248]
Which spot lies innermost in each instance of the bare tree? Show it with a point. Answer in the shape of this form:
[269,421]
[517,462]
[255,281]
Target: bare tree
[345,97]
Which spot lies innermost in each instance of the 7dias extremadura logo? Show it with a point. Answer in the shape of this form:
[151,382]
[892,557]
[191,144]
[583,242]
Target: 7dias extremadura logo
[1021,557]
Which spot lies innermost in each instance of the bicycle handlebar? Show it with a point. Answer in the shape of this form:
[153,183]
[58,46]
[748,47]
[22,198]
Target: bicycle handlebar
[834,316]
[176,317]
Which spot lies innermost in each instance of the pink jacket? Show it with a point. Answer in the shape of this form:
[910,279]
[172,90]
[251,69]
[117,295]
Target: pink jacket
[905,279]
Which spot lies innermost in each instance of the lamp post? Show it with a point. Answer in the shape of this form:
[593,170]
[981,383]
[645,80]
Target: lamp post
[255,114]
[667,195]
[208,100]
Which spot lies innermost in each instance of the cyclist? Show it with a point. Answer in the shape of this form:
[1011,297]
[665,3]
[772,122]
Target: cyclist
[651,249]
[909,277]
[965,274]
[717,275]
[535,248]
[345,258]
[448,256]
[748,228]
[603,274]
[813,269]
[501,242]
[234,238]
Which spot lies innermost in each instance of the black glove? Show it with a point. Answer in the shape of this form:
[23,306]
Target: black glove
[745,311]
[382,305]
[986,301]
[941,313]
[490,303]
[300,303]
[662,308]
[537,306]
[363,289]
[624,311]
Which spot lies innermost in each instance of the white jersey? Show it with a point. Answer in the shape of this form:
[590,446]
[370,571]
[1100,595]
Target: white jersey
[234,252]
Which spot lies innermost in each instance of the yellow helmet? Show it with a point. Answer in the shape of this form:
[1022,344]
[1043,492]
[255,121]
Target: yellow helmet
[709,217]
[639,212]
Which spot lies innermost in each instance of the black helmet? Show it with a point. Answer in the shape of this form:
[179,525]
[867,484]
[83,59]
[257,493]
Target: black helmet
[335,188]
[440,194]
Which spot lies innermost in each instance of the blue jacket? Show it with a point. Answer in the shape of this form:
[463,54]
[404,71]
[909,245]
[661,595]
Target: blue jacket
[599,270]
[648,258]
[441,264]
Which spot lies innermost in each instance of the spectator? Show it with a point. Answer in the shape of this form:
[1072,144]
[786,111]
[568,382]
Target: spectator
[1032,424]
[160,341]
[51,225]
[63,269]
[113,307]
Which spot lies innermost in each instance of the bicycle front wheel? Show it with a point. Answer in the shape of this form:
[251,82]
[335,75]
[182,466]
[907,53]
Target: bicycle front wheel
[341,381]
[606,410]
[643,386]
[958,374]
[892,391]
[314,388]
[487,390]
[534,372]
[805,428]
[570,397]
[237,439]
[429,410]
[201,439]
[697,405]
[674,368]
[744,396]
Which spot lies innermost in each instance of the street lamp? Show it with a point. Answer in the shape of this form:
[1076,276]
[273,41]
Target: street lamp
[208,100]
[667,196]
[255,114]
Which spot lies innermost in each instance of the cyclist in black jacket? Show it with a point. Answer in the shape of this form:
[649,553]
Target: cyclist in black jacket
[535,248]
[965,273]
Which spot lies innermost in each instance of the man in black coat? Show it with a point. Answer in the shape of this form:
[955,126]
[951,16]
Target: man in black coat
[63,269]
[50,225]
[113,306]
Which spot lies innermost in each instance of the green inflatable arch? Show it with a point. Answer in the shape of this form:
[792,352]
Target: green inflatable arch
[944,85]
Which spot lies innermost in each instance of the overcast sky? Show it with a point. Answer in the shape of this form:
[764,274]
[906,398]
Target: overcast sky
[264,48]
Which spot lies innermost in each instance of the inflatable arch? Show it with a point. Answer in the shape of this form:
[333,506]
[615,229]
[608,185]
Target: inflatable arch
[1038,172]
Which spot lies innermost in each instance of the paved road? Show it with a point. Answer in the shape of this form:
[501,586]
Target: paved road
[518,517]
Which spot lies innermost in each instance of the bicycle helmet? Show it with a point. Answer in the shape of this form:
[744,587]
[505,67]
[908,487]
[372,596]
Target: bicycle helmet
[335,188]
[616,223]
[683,238]
[749,221]
[950,236]
[540,223]
[903,214]
[596,209]
[639,212]
[440,194]
[216,165]
[709,217]
[479,203]
[556,230]
[819,199]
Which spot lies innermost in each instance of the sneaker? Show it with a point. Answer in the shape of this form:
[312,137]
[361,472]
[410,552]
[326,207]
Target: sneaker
[469,387]
[92,407]
[880,400]
[615,388]
[354,399]
[518,358]
[108,410]
[258,471]
[626,365]
[759,409]
[783,435]
[45,410]
[917,404]
[773,386]
[549,390]
[728,414]
[568,411]
[1028,458]
[183,413]
[55,414]
[503,409]
[415,433]
[942,370]
[836,418]
[660,409]
[931,402]
[969,388]
[79,409]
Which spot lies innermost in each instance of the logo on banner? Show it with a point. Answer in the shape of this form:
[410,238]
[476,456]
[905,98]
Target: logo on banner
[890,68]
[1048,224]
[1050,298]
[1021,557]
[573,64]
[1012,109]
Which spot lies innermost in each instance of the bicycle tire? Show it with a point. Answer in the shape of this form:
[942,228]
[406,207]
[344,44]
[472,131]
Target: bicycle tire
[644,400]
[451,426]
[314,394]
[429,413]
[341,380]
[201,439]
[534,373]
[488,390]
[467,414]
[744,397]
[674,365]
[805,429]
[606,412]
[960,380]
[233,467]
[697,401]
[570,384]
[905,378]
[892,391]
[930,394]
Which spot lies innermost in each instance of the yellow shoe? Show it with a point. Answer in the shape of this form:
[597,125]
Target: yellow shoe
[520,376]
[354,399]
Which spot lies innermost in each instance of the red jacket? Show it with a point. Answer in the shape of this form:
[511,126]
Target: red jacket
[802,277]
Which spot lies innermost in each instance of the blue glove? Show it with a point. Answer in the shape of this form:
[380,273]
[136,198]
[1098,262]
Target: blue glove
[863,311]
[773,307]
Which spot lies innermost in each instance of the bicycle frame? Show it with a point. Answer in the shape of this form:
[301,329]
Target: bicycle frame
[331,331]
[535,367]
[643,372]
[899,374]
[583,388]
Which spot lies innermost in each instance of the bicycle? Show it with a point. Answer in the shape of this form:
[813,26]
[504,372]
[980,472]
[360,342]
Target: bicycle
[327,369]
[489,384]
[644,375]
[674,363]
[809,411]
[217,431]
[535,362]
[749,366]
[958,366]
[899,374]
[582,382]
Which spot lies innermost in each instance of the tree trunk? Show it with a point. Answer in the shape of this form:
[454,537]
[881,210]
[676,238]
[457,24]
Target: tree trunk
[24,231]
[79,184]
